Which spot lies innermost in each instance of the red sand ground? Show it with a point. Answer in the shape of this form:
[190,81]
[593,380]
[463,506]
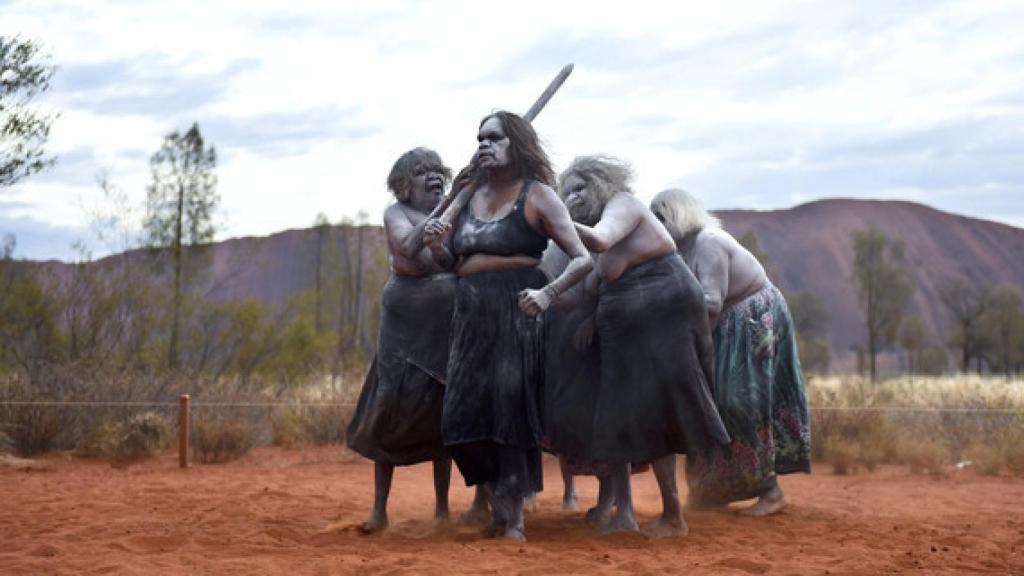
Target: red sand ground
[294,511]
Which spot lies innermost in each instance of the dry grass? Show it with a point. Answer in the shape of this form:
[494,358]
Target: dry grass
[318,416]
[142,435]
[220,440]
[925,456]
[905,421]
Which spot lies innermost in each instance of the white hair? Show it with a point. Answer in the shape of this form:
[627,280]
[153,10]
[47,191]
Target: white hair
[681,213]
[607,175]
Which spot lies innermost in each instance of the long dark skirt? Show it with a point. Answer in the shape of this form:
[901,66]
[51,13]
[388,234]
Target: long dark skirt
[760,395]
[572,383]
[656,366]
[398,417]
[571,387]
[492,409]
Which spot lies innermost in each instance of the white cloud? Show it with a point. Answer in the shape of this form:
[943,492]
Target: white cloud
[759,103]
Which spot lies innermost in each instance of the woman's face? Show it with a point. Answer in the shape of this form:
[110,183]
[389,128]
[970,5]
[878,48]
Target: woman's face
[427,186]
[492,152]
[580,200]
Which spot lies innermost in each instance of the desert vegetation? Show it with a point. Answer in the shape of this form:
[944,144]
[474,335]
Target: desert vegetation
[928,424]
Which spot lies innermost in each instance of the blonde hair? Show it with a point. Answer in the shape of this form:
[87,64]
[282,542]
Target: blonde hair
[681,213]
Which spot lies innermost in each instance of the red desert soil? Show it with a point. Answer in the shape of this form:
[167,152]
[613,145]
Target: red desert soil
[294,511]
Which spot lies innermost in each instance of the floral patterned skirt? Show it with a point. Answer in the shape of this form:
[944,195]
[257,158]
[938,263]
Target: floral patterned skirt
[760,395]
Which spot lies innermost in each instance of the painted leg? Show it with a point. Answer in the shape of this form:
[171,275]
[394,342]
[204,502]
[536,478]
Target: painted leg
[771,501]
[530,502]
[601,514]
[624,519]
[514,527]
[479,512]
[378,520]
[569,495]
[671,522]
[499,512]
[442,478]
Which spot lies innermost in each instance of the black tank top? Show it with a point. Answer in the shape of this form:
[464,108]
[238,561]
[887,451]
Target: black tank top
[510,235]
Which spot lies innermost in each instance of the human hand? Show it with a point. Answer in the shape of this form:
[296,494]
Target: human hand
[434,229]
[534,302]
[584,334]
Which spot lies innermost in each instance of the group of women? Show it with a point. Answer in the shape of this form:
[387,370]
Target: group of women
[520,318]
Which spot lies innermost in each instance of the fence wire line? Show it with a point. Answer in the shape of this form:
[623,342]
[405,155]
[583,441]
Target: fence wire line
[174,404]
[199,404]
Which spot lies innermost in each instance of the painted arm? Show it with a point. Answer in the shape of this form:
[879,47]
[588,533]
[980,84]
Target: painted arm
[439,250]
[620,217]
[554,220]
[405,239]
[711,266]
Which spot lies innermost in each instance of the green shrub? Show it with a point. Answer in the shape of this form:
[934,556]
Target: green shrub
[33,429]
[100,441]
[140,436]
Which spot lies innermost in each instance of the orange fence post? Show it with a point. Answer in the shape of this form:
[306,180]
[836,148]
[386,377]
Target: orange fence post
[183,431]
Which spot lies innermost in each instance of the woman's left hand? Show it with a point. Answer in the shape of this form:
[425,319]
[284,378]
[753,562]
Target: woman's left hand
[534,302]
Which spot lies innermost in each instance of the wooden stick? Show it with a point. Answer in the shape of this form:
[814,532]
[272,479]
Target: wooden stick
[548,93]
[452,204]
[183,431]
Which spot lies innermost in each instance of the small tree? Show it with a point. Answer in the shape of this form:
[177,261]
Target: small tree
[912,339]
[24,74]
[811,321]
[179,212]
[966,303]
[323,229]
[884,288]
[1003,321]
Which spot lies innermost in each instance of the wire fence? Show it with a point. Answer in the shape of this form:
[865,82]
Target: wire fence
[202,404]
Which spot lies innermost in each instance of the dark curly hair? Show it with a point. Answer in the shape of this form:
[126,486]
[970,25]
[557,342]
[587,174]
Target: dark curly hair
[400,178]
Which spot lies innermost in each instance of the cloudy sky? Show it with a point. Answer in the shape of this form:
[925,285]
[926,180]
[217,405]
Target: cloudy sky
[760,105]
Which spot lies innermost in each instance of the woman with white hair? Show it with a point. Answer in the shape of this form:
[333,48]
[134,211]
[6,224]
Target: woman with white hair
[759,386]
[650,397]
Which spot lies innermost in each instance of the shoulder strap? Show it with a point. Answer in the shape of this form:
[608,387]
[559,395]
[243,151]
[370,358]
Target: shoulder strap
[521,199]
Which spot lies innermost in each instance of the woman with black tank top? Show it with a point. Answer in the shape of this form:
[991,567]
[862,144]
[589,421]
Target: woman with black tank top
[502,221]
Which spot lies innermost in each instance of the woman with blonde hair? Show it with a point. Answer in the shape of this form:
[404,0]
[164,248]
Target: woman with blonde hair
[759,386]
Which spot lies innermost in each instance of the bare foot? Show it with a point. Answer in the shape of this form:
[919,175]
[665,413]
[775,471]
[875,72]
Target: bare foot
[476,516]
[764,507]
[621,523]
[441,516]
[374,524]
[707,506]
[530,503]
[668,528]
[515,534]
[597,516]
[493,529]
[570,505]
